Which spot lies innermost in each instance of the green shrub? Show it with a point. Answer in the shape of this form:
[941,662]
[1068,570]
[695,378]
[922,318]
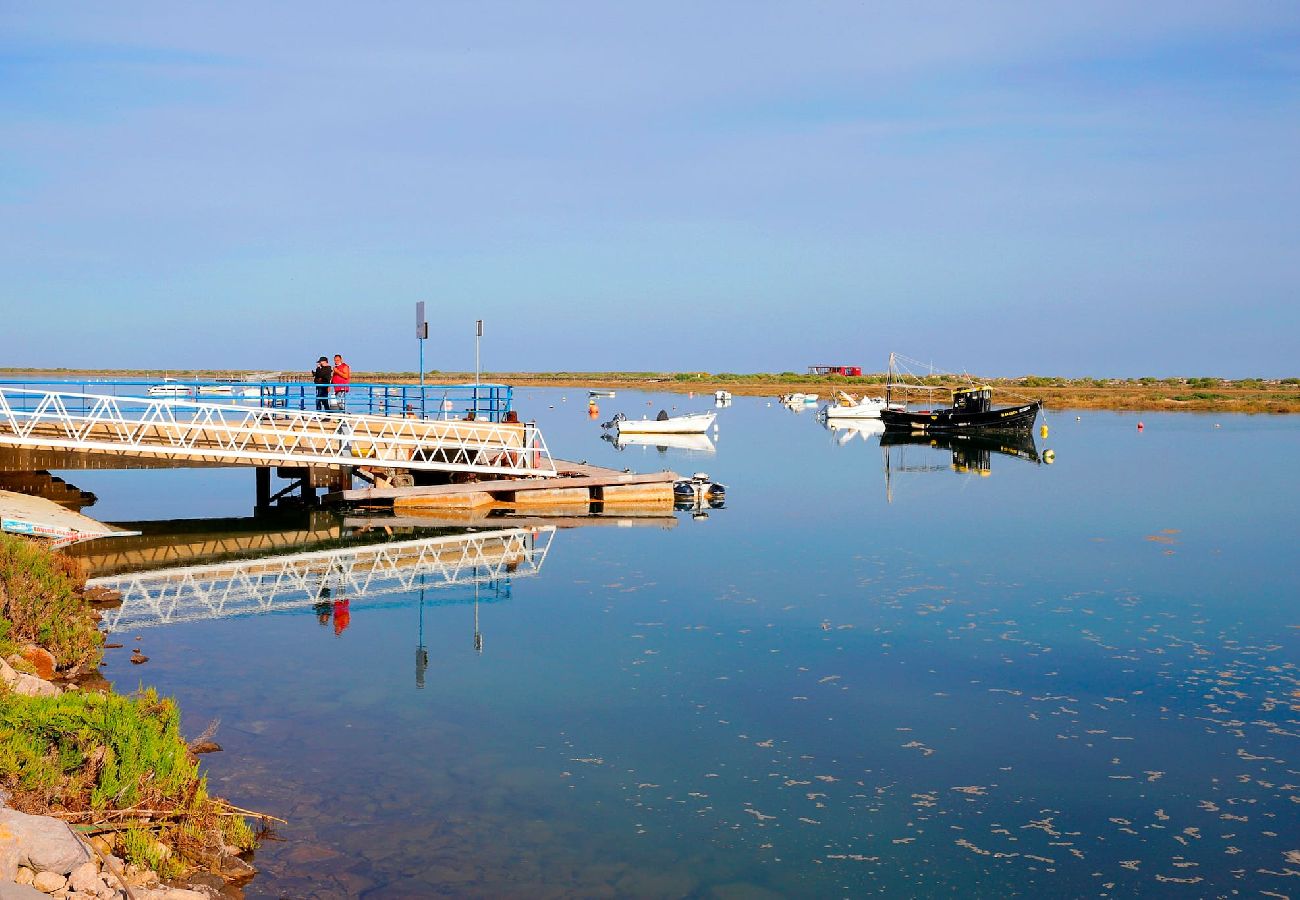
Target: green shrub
[98,754]
[40,603]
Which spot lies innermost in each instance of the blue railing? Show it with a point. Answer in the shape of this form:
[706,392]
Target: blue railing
[488,402]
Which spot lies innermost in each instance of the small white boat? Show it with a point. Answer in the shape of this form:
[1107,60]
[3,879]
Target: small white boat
[797,400]
[599,392]
[169,389]
[848,407]
[696,423]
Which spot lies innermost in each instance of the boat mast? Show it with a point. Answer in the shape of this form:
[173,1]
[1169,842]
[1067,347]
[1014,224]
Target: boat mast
[889,380]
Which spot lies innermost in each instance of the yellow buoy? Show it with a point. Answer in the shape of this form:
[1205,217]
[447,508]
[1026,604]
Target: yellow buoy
[1043,431]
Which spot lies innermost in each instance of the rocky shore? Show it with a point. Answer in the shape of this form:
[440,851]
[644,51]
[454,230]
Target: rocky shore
[99,795]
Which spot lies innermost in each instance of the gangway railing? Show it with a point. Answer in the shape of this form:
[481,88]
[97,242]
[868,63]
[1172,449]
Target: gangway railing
[226,433]
[489,401]
[300,580]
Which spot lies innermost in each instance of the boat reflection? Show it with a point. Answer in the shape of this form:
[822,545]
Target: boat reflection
[700,443]
[845,430]
[971,453]
[361,573]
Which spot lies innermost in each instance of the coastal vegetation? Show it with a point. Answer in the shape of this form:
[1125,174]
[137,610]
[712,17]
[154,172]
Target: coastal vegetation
[1199,393]
[109,765]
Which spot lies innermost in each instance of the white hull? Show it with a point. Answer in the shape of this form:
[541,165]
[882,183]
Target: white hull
[695,424]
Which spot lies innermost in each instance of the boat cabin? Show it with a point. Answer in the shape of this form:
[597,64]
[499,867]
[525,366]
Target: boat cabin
[973,400]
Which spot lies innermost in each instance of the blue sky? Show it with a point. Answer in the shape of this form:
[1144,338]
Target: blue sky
[1051,188]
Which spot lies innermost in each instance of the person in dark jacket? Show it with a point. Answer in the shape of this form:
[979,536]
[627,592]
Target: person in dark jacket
[322,375]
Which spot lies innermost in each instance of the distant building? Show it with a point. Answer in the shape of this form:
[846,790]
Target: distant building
[835,370]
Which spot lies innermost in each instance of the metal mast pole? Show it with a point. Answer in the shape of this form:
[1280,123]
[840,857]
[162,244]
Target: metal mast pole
[478,336]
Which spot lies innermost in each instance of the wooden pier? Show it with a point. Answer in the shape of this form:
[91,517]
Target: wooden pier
[575,486]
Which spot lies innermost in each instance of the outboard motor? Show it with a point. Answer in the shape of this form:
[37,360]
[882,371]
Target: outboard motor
[618,417]
[698,491]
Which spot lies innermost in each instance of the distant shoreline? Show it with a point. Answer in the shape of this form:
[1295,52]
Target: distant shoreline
[1135,394]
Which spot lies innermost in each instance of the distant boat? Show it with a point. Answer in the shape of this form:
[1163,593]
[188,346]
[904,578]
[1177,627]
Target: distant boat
[848,407]
[971,409]
[169,388]
[696,423]
[798,400]
[599,392]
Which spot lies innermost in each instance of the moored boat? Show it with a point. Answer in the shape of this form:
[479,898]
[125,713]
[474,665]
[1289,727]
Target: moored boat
[846,406]
[695,423]
[971,409]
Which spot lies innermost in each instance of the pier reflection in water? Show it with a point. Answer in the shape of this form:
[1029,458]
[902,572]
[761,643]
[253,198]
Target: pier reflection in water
[367,573]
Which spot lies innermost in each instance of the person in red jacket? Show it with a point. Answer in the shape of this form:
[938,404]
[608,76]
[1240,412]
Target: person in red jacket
[342,377]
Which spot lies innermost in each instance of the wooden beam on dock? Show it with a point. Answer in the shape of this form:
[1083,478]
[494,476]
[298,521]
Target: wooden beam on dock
[504,490]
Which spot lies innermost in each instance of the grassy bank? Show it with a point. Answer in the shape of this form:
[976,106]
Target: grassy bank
[1193,393]
[108,764]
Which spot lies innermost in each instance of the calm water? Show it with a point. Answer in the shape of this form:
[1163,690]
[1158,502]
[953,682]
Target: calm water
[1075,679]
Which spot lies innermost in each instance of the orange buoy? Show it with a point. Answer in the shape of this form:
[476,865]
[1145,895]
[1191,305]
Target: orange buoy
[593,411]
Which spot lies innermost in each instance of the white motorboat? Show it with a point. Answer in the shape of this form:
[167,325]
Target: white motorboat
[695,423]
[846,406]
[169,389]
[798,400]
[600,392]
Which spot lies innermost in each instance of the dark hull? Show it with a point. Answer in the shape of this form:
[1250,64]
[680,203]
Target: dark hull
[1009,418]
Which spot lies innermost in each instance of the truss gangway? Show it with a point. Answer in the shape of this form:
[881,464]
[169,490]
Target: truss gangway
[302,580]
[220,433]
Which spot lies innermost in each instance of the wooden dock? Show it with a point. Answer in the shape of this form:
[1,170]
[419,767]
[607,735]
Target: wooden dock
[575,486]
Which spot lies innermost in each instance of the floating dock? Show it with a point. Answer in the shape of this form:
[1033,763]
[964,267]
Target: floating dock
[574,486]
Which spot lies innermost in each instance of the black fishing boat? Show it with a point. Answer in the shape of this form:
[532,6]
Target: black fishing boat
[972,410]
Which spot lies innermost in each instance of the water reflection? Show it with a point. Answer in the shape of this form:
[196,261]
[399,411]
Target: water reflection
[970,452]
[327,581]
[845,430]
[700,443]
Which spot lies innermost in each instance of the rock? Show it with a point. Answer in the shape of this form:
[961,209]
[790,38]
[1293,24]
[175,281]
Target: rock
[101,844]
[9,856]
[138,659]
[137,877]
[31,686]
[42,661]
[25,875]
[7,673]
[235,869]
[184,894]
[102,595]
[85,878]
[44,844]
[20,892]
[205,747]
[49,882]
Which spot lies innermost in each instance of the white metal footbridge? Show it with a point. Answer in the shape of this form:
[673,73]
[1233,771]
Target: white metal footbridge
[302,580]
[227,434]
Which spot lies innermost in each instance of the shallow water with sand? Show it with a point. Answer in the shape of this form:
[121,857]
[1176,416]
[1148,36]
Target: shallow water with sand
[1013,679]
